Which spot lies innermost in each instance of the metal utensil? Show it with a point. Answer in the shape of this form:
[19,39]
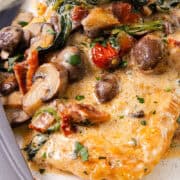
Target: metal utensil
[12,163]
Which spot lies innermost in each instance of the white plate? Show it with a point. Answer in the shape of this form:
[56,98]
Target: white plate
[168,169]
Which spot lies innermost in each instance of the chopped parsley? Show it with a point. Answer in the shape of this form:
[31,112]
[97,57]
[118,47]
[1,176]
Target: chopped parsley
[75,60]
[168,89]
[123,64]
[13,60]
[23,23]
[98,78]
[44,155]
[140,99]
[79,97]
[143,122]
[178,120]
[81,151]
[50,31]
[121,117]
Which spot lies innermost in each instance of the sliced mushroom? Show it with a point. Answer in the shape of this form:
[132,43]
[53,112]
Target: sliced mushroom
[93,25]
[150,54]
[71,59]
[35,28]
[107,88]
[13,100]
[54,20]
[49,81]
[16,115]
[8,85]
[10,38]
[43,33]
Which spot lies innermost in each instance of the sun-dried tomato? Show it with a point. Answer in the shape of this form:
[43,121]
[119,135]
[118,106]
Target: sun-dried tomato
[32,65]
[25,71]
[78,13]
[124,13]
[104,57]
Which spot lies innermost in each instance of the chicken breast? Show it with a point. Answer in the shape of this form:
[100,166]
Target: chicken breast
[124,147]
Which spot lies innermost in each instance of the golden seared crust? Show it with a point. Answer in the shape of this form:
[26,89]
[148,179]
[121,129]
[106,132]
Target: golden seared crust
[121,148]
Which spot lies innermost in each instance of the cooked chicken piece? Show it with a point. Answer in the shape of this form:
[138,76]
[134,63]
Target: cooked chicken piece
[49,81]
[106,88]
[97,20]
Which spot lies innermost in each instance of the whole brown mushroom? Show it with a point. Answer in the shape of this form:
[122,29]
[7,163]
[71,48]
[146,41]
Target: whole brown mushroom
[106,88]
[149,54]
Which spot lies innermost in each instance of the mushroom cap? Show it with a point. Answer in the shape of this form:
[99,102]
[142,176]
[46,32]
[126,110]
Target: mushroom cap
[49,81]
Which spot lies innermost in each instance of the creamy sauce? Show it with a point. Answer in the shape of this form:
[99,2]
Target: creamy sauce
[114,137]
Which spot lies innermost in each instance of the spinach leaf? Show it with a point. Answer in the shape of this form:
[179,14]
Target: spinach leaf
[34,146]
[142,28]
[81,151]
[66,28]
[13,60]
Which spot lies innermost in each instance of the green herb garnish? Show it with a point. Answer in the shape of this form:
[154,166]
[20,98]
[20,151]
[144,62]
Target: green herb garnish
[79,97]
[168,89]
[50,31]
[81,151]
[33,147]
[123,64]
[140,99]
[74,60]
[178,120]
[13,60]
[98,78]
[23,23]
[44,155]
[121,117]
[143,122]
